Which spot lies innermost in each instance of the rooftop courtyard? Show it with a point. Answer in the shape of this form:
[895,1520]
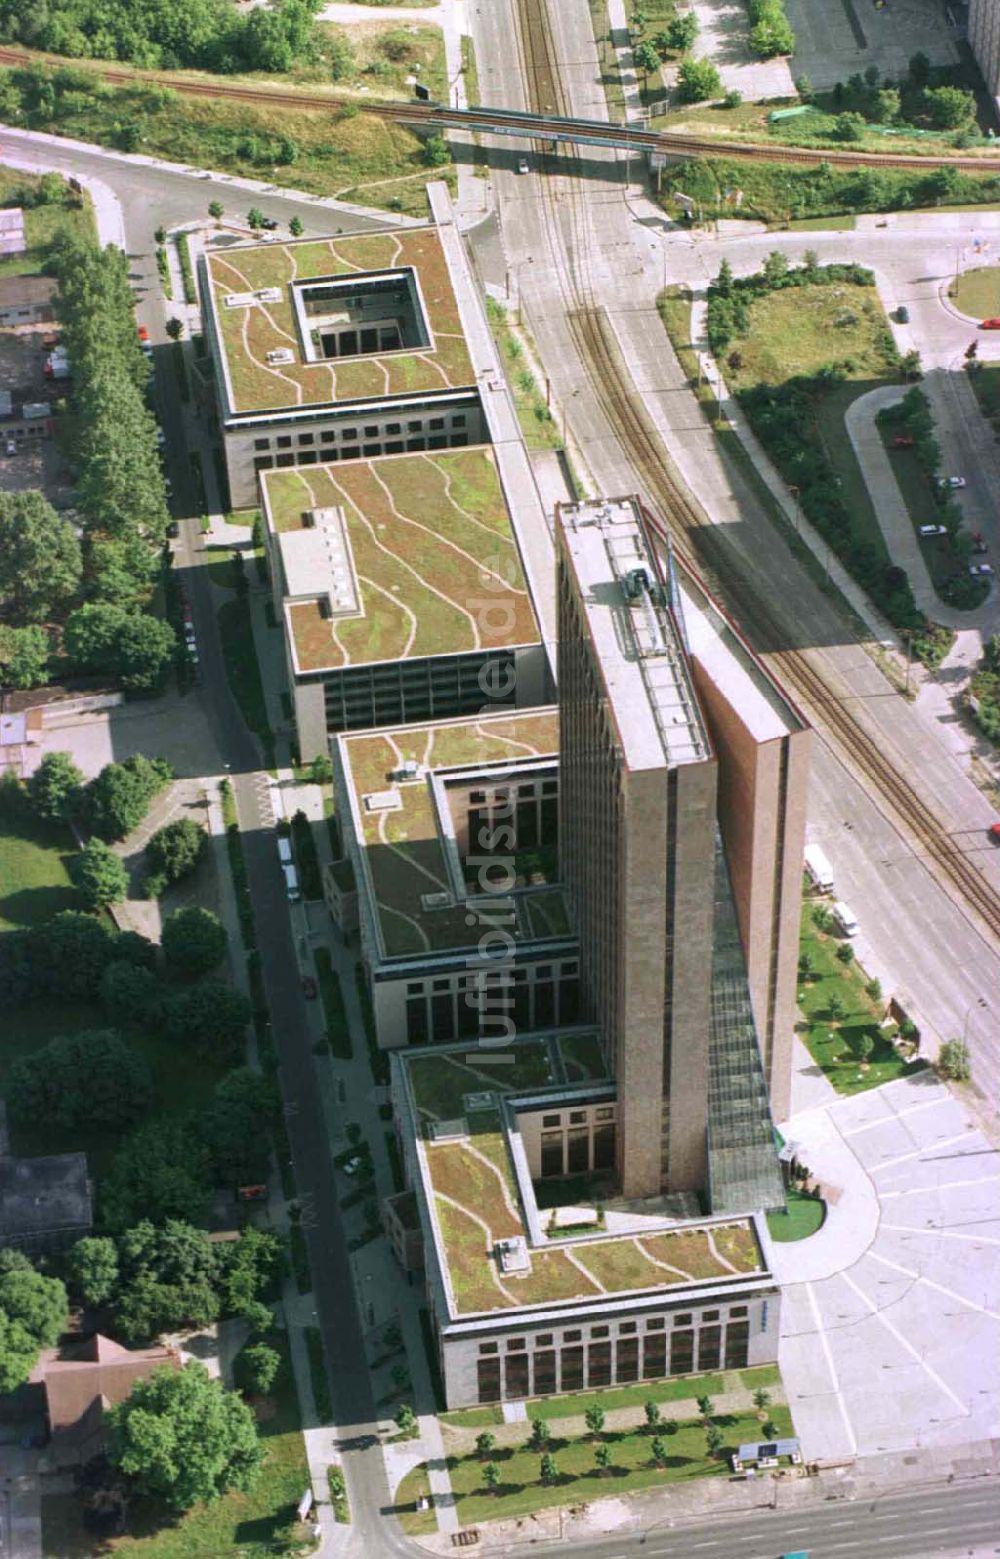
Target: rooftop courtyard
[431,548]
[474,1195]
[412,875]
[319,321]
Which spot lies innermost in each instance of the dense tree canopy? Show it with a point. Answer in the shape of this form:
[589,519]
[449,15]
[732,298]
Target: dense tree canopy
[93,1268]
[133,647]
[91,1079]
[24,655]
[99,875]
[209,1019]
[236,1127]
[182,1438]
[167,1277]
[118,799]
[54,788]
[40,560]
[207,34]
[159,1172]
[193,941]
[33,1314]
[175,850]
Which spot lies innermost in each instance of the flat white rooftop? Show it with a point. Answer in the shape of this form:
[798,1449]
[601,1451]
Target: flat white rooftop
[732,666]
[637,643]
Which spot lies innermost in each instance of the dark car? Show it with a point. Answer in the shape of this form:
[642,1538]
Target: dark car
[269,223]
[903,314]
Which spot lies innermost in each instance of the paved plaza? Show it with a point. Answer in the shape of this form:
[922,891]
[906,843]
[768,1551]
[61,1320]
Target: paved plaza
[889,1321]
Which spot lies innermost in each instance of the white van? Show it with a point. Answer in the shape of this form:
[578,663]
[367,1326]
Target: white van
[818,869]
[285,851]
[844,919]
[292,889]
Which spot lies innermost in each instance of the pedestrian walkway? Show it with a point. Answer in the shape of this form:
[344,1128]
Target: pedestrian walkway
[627,73]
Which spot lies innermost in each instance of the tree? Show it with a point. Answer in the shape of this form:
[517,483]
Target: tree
[723,283]
[659,1451]
[235,1127]
[174,328]
[437,153]
[647,58]
[249,1267]
[887,105]
[491,1476]
[835,1006]
[40,562]
[159,1172]
[340,55]
[18,1353]
[948,108]
[167,1278]
[594,1419]
[652,1412]
[706,1407]
[940,184]
[486,1444]
[548,1472]
[697,80]
[93,1268]
[540,1434]
[295,227]
[602,1458]
[804,88]
[99,875]
[714,1439]
[180,1437]
[845,953]
[920,69]
[118,799]
[88,1079]
[257,1366]
[772,34]
[954,1061]
[130,994]
[54,788]
[209,1019]
[194,941]
[775,269]
[24,656]
[255,219]
[761,1399]
[39,1303]
[406,1420]
[175,850]
[681,31]
[864,1044]
[849,127]
[216,210]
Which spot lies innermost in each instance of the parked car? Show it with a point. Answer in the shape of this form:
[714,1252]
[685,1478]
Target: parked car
[903,441]
[990,324]
[143,333]
[995,832]
[951,481]
[975,569]
[353,1164]
[522,165]
[269,223]
[903,314]
[309,987]
[10,447]
[933,530]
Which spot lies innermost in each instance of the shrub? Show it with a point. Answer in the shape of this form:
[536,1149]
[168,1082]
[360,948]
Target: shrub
[697,80]
[954,1061]
[194,941]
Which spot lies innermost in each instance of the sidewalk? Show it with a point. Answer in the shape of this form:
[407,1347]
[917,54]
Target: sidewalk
[627,74]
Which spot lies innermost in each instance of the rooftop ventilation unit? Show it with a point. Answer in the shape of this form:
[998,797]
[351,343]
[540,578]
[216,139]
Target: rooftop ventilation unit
[268,295]
[471,1102]
[406,771]
[383,801]
[443,1131]
[280,354]
[239,300]
[512,1254]
[434,900]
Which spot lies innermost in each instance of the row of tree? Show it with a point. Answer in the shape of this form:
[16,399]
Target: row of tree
[201,34]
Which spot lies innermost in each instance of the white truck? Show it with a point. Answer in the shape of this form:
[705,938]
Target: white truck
[818,869]
[843,919]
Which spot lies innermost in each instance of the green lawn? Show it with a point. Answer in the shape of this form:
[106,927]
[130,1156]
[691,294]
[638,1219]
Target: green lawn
[985,381]
[832,1043]
[385,55]
[632,1467]
[804,1216]
[414,1522]
[41,223]
[977,293]
[801,329]
[34,871]
[537,424]
[245,1525]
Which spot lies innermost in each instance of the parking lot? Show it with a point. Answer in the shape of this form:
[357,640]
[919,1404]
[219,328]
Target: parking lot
[836,38]
[890,1328]
[38,462]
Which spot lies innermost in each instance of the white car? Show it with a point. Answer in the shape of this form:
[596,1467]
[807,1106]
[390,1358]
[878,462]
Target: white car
[522,165]
[933,530]
[975,569]
[951,481]
[353,1164]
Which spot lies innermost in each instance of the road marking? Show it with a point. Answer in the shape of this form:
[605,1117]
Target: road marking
[828,1355]
[855,1543]
[927,1153]
[947,1185]
[940,1234]
[904,1343]
[841,1523]
[896,1115]
[949,1293]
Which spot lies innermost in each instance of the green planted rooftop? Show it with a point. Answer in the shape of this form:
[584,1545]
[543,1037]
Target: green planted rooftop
[430,537]
[415,889]
[265,354]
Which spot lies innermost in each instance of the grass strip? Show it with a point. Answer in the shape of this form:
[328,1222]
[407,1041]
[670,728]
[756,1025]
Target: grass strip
[187,270]
[163,266]
[338,1495]
[238,868]
[317,1371]
[300,1258]
[537,423]
[433,1362]
[239,653]
[378,1060]
[334,1011]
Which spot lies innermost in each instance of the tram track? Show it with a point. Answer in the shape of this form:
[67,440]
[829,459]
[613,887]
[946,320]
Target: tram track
[677,517]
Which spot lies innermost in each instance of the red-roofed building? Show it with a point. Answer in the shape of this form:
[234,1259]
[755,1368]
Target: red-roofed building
[82,1383]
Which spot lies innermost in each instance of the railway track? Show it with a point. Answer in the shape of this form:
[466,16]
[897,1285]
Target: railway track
[547,104]
[677,516]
